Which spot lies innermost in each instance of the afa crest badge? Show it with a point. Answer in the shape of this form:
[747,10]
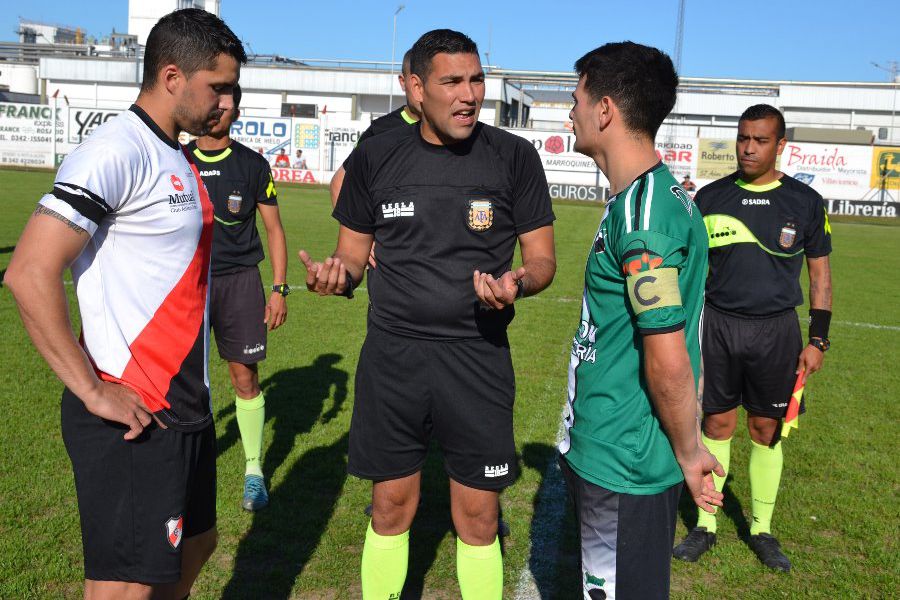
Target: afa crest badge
[481,215]
[235,200]
[788,235]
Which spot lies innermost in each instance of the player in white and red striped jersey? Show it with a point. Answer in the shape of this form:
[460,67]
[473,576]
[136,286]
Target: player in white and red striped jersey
[130,215]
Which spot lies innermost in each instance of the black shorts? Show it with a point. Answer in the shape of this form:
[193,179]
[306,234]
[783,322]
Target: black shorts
[237,307]
[138,499]
[408,389]
[749,361]
[626,539]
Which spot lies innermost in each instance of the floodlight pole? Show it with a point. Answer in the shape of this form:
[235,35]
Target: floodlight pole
[892,68]
[393,50]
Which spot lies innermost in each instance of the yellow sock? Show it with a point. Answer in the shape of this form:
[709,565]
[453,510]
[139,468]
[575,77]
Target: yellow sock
[384,562]
[766,464]
[721,449]
[479,570]
[251,418]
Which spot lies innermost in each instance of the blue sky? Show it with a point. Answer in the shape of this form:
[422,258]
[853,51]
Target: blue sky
[757,39]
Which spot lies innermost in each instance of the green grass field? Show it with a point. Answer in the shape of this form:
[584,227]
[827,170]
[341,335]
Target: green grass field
[838,514]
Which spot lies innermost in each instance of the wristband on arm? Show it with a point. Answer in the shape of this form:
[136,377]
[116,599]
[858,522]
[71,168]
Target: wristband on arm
[348,287]
[819,321]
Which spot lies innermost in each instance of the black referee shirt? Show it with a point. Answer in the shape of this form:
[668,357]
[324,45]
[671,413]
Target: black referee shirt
[237,178]
[392,120]
[756,251]
[438,213]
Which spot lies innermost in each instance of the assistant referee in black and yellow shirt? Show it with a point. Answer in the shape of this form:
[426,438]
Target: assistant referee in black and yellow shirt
[240,183]
[761,224]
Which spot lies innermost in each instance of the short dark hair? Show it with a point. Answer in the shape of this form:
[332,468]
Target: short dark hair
[407,59]
[641,81]
[192,39]
[435,42]
[764,111]
[237,94]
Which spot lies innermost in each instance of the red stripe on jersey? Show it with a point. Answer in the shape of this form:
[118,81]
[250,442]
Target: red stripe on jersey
[159,350]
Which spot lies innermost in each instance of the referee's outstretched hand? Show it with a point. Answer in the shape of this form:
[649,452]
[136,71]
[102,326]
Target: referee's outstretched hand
[119,403]
[497,293]
[698,471]
[324,278]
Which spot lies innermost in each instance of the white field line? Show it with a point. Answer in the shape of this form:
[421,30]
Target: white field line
[564,299]
[545,530]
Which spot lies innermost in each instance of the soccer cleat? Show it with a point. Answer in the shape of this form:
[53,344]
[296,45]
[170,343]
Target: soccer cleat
[255,495]
[768,551]
[697,542]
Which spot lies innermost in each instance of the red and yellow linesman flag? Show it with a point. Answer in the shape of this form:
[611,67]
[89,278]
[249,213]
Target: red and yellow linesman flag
[792,417]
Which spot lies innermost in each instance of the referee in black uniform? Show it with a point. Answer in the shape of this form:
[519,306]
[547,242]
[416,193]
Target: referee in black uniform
[408,114]
[761,223]
[445,202]
[239,182]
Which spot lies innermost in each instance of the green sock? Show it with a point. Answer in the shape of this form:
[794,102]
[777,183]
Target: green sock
[721,449]
[384,562]
[765,475]
[479,570]
[251,418]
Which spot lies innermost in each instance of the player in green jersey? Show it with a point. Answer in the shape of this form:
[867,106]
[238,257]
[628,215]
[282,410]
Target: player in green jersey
[632,433]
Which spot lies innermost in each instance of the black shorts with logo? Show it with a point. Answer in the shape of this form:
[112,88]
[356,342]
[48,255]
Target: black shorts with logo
[626,539]
[237,307]
[749,361]
[138,500]
[459,392]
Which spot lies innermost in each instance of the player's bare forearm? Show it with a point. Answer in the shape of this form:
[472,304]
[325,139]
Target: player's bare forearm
[819,282]
[47,247]
[353,250]
[276,241]
[538,259]
[670,381]
[337,181]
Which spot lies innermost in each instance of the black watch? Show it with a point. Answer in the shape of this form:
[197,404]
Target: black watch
[520,289]
[282,288]
[822,344]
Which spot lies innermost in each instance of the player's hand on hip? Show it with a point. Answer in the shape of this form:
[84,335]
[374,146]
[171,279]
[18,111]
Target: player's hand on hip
[119,403]
[372,262]
[497,293]
[324,278]
[698,470]
[810,361]
[276,311]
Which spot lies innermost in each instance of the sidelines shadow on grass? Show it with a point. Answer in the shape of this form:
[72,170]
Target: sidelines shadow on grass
[554,557]
[284,535]
[294,399]
[731,508]
[431,525]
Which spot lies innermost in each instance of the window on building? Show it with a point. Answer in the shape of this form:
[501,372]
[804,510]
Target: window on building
[307,111]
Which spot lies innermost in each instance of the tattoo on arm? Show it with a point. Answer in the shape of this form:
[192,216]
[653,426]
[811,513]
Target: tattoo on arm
[820,288]
[43,210]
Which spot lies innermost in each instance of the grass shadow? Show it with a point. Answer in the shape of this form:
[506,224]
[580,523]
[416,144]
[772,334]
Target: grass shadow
[554,559]
[283,536]
[295,399]
[731,508]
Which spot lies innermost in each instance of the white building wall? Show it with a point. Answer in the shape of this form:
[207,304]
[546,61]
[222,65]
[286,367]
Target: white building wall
[143,14]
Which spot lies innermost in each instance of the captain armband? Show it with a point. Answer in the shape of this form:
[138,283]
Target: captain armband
[656,288]
[819,321]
